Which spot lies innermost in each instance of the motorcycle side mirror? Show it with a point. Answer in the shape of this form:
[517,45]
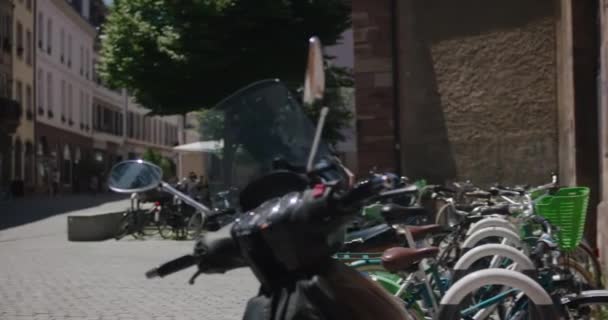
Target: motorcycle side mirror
[134,176]
[314,81]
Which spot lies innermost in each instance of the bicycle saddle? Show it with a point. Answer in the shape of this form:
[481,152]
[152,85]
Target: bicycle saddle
[399,259]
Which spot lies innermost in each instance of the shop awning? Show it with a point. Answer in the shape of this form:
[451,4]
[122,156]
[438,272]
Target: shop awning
[201,146]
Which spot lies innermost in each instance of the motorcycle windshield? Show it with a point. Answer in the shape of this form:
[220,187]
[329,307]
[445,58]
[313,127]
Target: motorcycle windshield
[248,130]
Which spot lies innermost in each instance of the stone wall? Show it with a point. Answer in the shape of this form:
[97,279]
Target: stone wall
[478,92]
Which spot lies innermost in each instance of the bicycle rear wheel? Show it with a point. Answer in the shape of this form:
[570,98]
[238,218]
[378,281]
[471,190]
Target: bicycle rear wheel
[164,227]
[585,255]
[588,305]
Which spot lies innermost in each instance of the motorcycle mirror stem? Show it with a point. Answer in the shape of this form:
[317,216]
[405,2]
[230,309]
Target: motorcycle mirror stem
[315,143]
[185,198]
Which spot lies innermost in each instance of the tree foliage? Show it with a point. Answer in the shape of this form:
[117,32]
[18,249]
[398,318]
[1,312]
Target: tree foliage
[339,85]
[158,159]
[178,56]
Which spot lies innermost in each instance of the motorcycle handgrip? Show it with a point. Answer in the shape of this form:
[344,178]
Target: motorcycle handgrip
[498,209]
[364,190]
[172,266]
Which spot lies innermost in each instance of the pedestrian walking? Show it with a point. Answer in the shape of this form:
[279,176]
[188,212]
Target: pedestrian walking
[55,182]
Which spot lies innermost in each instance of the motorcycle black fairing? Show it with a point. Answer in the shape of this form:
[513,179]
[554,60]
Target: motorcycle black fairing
[272,185]
[338,292]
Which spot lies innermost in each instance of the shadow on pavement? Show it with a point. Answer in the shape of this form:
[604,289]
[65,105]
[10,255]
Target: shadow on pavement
[25,210]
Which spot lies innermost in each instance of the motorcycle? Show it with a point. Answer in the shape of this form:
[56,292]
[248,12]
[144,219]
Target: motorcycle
[295,209]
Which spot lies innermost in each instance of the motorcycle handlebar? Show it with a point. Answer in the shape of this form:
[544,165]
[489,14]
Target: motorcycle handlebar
[172,266]
[366,190]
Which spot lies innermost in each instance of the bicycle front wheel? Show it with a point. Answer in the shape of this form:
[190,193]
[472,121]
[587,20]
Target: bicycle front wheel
[588,305]
[195,226]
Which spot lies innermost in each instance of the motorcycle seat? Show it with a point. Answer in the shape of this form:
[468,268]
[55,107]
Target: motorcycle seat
[399,259]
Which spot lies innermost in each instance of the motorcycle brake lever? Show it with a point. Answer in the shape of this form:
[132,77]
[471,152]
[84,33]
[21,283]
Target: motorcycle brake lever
[193,278]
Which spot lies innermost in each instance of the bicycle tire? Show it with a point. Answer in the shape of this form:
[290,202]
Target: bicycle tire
[147,227]
[469,259]
[592,303]
[195,226]
[575,266]
[440,216]
[164,229]
[492,232]
[587,257]
[451,301]
[491,222]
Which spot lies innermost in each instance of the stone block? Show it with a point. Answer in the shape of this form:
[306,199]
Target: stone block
[97,227]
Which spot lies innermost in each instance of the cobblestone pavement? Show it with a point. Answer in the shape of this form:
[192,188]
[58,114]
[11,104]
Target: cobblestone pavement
[43,276]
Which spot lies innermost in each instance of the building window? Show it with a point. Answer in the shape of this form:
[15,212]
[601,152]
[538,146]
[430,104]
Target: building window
[19,47]
[8,33]
[49,36]
[70,105]
[69,50]
[62,45]
[40,31]
[63,106]
[28,5]
[40,92]
[2,33]
[87,63]
[130,124]
[82,60]
[28,101]
[19,94]
[49,95]
[87,108]
[28,47]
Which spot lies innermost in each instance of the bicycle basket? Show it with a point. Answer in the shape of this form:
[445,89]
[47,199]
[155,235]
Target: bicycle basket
[567,210]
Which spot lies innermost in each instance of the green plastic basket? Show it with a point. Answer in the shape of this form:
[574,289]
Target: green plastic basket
[567,210]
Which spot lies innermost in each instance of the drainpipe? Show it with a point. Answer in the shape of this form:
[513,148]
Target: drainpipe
[35,97]
[602,209]
[396,85]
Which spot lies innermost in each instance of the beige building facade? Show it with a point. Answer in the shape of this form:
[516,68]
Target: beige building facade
[23,56]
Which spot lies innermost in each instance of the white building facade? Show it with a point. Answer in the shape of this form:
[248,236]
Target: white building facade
[64,92]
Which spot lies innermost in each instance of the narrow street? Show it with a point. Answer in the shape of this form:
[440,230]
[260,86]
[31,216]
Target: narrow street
[43,276]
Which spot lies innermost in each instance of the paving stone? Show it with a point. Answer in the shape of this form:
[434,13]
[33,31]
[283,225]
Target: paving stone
[45,277]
